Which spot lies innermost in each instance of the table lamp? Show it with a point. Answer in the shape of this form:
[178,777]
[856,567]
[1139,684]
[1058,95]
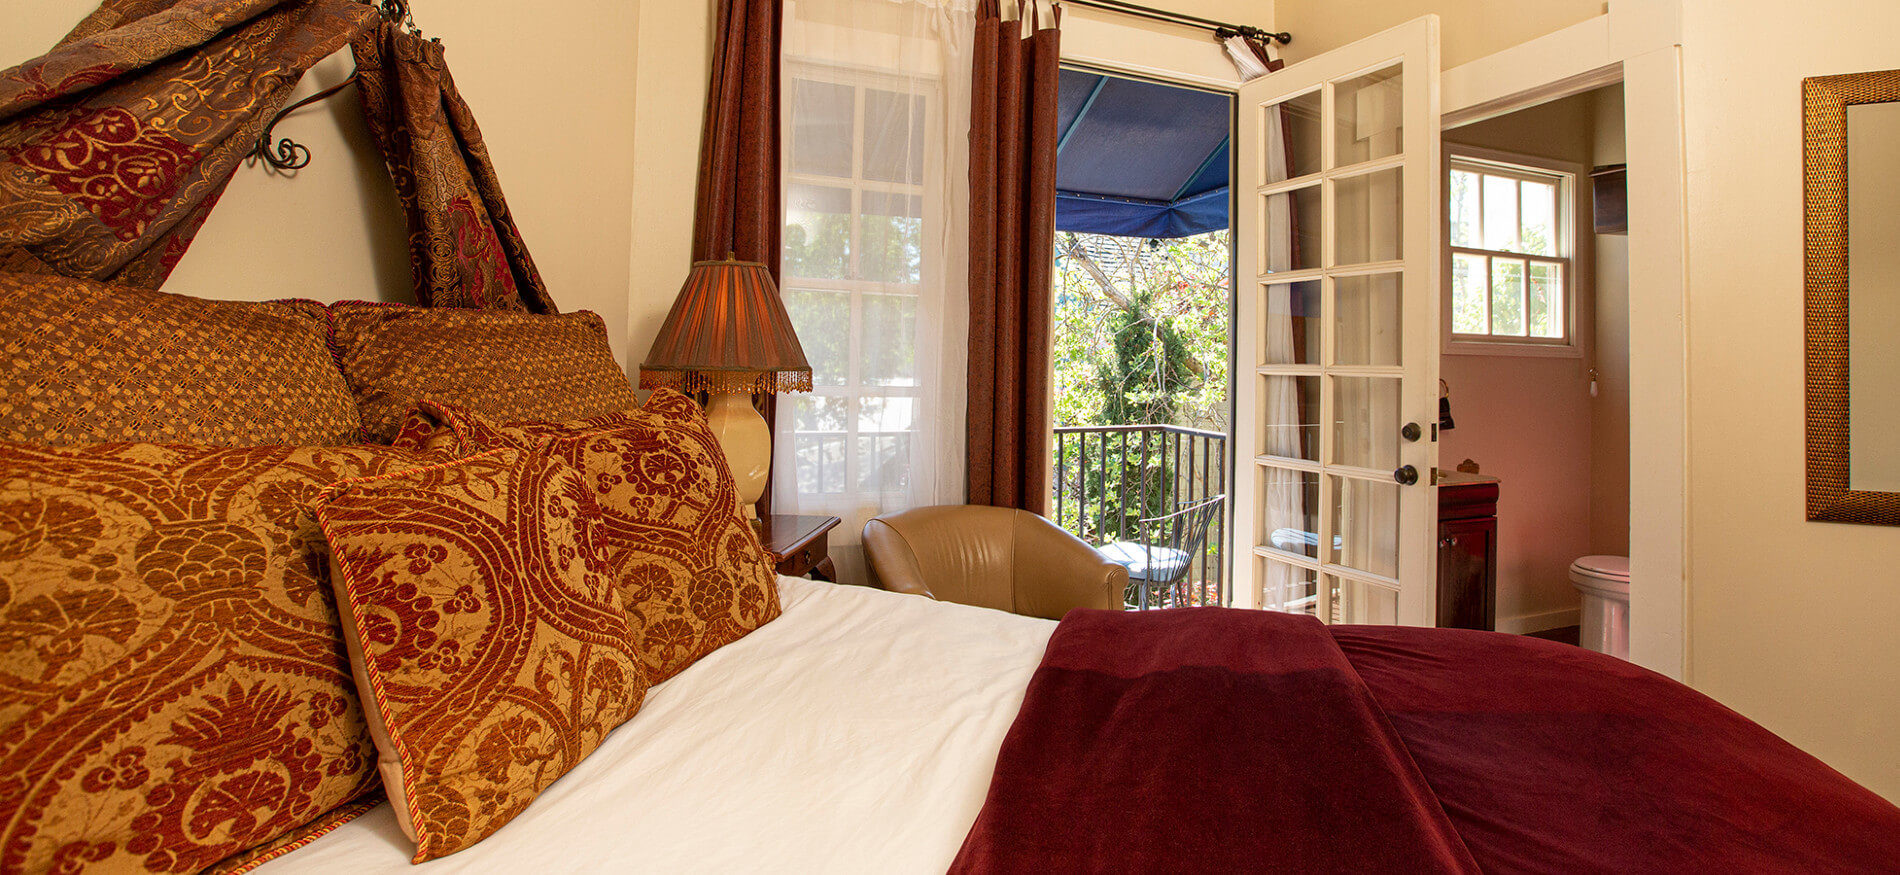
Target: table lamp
[728,335]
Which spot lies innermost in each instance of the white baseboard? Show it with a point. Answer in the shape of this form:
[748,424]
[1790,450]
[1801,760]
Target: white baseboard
[1539,622]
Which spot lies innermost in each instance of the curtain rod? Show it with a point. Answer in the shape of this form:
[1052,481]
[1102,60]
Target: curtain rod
[1221,29]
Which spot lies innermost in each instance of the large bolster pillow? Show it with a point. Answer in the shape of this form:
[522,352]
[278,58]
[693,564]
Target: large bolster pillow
[506,366]
[174,685]
[85,363]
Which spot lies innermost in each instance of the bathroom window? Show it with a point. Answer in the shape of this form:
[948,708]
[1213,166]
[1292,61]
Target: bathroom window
[1509,241]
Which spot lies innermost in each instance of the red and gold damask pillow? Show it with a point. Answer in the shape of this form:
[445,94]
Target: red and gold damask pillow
[174,688]
[508,366]
[690,567]
[490,646]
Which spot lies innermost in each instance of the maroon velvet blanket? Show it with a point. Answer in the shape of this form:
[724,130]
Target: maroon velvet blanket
[1210,740]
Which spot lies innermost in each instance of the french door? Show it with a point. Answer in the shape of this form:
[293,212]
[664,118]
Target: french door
[1337,230]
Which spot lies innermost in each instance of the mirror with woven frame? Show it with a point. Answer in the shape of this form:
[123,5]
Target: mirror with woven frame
[1851,197]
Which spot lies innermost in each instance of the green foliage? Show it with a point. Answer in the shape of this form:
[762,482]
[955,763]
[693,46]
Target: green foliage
[1141,338]
[1151,348]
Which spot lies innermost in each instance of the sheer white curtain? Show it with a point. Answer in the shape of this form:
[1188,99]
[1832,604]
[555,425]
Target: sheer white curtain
[1284,587]
[876,121]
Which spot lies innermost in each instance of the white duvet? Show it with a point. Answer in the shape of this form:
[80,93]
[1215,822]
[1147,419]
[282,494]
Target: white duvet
[855,733]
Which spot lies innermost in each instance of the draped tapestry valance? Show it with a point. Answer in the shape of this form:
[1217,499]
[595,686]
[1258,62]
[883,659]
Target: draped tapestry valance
[115,145]
[464,249]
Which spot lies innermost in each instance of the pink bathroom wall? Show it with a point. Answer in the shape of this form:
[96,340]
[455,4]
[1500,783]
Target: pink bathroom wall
[1527,422]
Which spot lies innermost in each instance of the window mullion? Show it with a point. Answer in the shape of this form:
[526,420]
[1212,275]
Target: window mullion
[855,348]
[1487,295]
[1517,234]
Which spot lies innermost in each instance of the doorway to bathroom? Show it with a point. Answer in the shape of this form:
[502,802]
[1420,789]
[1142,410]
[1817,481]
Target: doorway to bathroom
[1535,365]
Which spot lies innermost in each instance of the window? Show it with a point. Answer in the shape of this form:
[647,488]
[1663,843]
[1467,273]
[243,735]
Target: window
[853,271]
[1510,252]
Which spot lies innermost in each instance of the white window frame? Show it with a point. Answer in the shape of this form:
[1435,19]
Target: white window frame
[1570,257]
[854,389]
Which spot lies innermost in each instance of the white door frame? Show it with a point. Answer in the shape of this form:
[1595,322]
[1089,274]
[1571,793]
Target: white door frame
[1638,41]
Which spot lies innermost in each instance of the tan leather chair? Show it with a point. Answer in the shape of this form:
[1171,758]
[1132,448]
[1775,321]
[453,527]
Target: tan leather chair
[991,557]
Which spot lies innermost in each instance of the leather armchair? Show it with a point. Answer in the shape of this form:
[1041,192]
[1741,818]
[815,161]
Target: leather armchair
[992,557]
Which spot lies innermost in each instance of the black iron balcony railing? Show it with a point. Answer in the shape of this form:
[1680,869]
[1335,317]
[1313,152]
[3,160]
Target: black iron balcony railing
[1109,477]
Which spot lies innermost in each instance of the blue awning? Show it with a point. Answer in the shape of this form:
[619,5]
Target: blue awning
[1140,159]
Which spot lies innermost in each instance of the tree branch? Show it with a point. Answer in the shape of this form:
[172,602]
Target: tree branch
[1072,247]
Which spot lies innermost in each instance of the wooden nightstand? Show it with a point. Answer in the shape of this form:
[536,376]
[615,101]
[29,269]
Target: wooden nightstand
[797,544]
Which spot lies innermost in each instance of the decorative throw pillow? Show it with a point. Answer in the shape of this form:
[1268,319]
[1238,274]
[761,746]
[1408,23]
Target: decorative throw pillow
[509,366]
[86,363]
[490,646]
[174,687]
[690,568]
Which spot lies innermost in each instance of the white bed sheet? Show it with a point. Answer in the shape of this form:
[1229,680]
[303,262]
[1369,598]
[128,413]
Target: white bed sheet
[855,733]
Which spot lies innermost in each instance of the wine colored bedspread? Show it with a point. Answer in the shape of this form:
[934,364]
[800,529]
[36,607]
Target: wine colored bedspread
[1223,740]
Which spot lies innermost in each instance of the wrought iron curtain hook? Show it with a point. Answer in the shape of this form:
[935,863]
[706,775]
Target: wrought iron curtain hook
[289,154]
[397,11]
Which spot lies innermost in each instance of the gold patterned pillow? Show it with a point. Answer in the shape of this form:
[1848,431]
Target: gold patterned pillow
[509,366]
[489,642]
[690,567]
[174,687]
[86,363]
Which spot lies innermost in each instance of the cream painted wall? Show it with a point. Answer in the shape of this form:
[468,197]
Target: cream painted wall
[670,83]
[1471,28]
[1789,622]
[555,102]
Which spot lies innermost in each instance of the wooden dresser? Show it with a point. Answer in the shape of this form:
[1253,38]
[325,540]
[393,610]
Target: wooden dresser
[1467,551]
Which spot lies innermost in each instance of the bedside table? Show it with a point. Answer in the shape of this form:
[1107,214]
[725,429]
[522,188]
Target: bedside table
[797,545]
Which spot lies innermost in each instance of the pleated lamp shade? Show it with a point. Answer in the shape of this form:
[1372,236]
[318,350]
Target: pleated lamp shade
[728,334]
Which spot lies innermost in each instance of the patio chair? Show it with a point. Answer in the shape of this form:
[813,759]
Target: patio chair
[1158,563]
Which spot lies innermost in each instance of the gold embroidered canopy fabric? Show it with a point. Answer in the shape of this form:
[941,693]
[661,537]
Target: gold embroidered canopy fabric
[464,249]
[115,145]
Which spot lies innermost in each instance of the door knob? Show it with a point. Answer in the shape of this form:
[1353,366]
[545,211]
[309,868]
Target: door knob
[1406,476]
[1411,432]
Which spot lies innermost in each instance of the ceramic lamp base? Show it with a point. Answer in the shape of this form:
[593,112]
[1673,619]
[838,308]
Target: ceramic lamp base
[747,442]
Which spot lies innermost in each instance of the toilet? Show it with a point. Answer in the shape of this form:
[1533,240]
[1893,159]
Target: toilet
[1604,582]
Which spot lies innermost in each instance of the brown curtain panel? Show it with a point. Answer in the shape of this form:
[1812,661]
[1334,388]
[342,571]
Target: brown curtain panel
[115,145]
[736,211]
[1012,252]
[464,248]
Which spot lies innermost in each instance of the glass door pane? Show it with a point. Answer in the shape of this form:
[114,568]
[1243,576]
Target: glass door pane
[1341,328]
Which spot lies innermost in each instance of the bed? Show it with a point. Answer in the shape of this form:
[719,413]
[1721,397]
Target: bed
[855,733]
[203,712]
